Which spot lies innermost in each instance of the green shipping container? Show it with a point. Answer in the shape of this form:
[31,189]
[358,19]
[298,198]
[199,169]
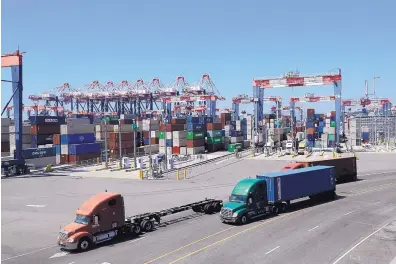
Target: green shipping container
[162,135]
[215,140]
[195,135]
[333,123]
[232,147]
[331,137]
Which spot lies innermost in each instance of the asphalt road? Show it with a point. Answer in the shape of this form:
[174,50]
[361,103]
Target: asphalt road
[359,227]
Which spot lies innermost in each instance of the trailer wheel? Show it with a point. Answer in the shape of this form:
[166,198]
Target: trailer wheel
[284,207]
[147,225]
[84,244]
[217,207]
[197,209]
[275,209]
[209,208]
[136,229]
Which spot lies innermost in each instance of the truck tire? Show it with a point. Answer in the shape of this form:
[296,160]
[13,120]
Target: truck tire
[84,244]
[197,209]
[147,225]
[217,207]
[283,207]
[136,230]
[209,208]
[275,210]
[243,220]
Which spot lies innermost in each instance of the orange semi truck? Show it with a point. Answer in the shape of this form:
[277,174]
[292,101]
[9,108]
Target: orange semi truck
[102,218]
[345,167]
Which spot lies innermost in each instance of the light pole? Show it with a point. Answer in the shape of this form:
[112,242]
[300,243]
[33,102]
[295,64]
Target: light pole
[374,77]
[106,158]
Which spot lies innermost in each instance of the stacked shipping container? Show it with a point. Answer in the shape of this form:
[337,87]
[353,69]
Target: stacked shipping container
[196,132]
[5,136]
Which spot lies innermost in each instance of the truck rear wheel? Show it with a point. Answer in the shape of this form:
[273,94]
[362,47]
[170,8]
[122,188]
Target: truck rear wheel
[136,230]
[84,244]
[197,209]
[147,225]
[275,210]
[209,208]
[217,207]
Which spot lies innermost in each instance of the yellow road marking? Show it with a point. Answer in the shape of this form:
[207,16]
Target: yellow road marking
[234,235]
[192,243]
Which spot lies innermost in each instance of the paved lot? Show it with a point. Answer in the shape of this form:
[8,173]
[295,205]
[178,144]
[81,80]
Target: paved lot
[33,210]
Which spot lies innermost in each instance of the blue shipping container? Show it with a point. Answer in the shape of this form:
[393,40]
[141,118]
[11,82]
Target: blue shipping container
[332,118]
[331,144]
[90,117]
[310,124]
[41,140]
[310,144]
[321,124]
[34,153]
[282,186]
[202,120]
[77,138]
[192,127]
[366,135]
[310,118]
[208,119]
[192,119]
[46,120]
[169,142]
[58,149]
[76,149]
[146,141]
[310,137]
[215,133]
[234,133]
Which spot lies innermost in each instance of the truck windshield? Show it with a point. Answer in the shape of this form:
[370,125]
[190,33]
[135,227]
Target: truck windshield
[238,198]
[82,219]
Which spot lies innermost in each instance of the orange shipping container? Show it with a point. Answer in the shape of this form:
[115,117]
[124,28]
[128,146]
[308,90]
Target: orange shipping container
[310,131]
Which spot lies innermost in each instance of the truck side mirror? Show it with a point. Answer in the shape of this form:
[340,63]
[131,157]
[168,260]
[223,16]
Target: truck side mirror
[250,201]
[96,220]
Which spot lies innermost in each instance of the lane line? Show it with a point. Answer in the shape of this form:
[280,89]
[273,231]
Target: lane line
[60,254]
[350,212]
[229,237]
[272,250]
[192,243]
[313,228]
[36,205]
[28,253]
[355,246]
[135,240]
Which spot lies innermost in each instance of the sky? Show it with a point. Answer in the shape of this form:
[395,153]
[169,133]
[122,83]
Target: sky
[78,41]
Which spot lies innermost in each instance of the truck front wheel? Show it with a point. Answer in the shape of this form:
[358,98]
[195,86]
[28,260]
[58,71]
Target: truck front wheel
[243,220]
[84,244]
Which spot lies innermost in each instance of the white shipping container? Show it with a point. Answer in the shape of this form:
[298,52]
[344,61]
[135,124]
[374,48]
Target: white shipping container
[169,151]
[161,150]
[78,121]
[329,130]
[179,134]
[65,149]
[169,135]
[26,139]
[102,128]
[236,139]
[155,134]
[183,151]
[5,121]
[58,158]
[5,137]
[25,129]
[196,150]
[123,128]
[127,116]
[162,142]
[180,142]
[5,129]
[76,129]
[42,162]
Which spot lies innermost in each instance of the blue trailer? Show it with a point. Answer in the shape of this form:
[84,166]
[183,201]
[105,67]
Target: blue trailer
[272,192]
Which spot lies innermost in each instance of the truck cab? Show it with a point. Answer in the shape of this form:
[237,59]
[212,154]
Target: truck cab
[247,201]
[97,220]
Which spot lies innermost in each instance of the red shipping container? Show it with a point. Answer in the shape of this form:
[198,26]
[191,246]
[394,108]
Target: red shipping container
[333,113]
[56,139]
[146,134]
[214,126]
[124,144]
[174,127]
[5,146]
[154,141]
[45,129]
[126,121]
[310,111]
[191,143]
[310,131]
[64,159]
[74,159]
[127,136]
[178,121]
[176,150]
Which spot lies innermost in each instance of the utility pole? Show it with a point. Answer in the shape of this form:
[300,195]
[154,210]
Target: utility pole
[374,77]
[119,140]
[134,144]
[106,158]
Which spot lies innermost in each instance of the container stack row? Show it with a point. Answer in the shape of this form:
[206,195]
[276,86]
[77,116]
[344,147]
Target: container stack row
[214,135]
[77,142]
[26,137]
[5,136]
[196,132]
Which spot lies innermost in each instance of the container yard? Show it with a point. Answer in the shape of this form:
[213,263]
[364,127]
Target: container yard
[176,120]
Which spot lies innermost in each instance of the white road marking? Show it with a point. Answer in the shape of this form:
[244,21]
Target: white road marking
[135,240]
[72,262]
[313,228]
[393,261]
[105,263]
[355,246]
[36,205]
[60,254]
[28,253]
[350,212]
[272,250]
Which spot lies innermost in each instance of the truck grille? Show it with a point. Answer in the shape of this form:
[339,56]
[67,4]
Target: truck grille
[226,213]
[62,235]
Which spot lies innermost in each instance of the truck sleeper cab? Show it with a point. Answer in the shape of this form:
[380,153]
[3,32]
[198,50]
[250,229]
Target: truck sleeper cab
[99,219]
[272,192]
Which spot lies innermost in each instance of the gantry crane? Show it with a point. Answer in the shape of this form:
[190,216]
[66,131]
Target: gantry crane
[245,99]
[293,79]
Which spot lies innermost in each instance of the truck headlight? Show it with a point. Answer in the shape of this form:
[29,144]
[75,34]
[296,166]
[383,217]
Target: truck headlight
[235,214]
[71,240]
